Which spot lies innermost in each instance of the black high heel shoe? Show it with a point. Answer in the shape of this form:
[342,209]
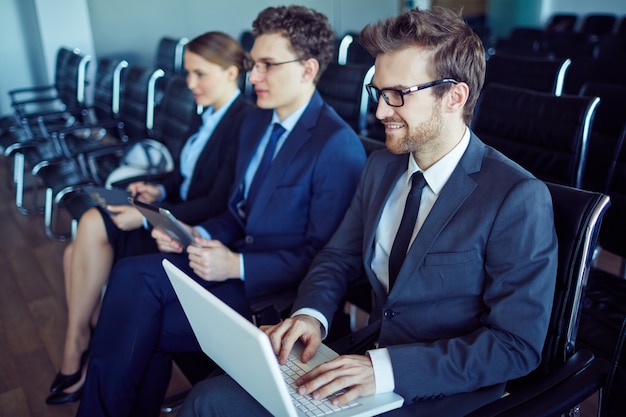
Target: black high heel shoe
[61,397]
[62,381]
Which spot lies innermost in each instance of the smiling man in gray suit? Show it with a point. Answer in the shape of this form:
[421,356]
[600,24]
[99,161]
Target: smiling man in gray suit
[456,240]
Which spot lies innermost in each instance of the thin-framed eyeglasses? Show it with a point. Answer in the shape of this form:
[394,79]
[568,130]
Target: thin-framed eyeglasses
[262,66]
[395,98]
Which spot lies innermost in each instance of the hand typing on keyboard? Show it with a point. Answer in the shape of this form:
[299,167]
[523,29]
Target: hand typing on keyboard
[353,373]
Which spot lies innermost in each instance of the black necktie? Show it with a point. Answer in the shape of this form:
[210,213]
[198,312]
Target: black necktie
[264,165]
[407,225]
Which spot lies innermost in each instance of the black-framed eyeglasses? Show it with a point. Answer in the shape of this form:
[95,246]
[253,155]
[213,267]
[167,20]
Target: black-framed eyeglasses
[395,97]
[262,66]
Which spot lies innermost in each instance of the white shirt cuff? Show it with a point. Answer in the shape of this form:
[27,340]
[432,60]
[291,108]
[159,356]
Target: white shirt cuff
[202,232]
[242,269]
[316,315]
[383,371]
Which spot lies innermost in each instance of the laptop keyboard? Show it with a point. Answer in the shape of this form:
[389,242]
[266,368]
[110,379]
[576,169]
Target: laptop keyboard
[291,371]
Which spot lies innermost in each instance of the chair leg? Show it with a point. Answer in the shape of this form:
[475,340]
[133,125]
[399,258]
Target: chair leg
[50,216]
[19,181]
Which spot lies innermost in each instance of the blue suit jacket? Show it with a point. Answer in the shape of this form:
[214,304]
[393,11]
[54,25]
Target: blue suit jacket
[301,201]
[472,301]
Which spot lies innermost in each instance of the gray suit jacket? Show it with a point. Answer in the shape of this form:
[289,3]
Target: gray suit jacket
[472,302]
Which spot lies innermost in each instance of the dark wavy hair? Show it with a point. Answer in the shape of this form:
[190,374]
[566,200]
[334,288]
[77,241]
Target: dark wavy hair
[458,51]
[308,31]
[218,48]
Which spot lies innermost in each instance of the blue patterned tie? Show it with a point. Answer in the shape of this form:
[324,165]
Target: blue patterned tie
[407,225]
[264,165]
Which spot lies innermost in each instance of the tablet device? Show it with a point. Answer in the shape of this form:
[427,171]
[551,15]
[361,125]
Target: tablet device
[108,196]
[164,220]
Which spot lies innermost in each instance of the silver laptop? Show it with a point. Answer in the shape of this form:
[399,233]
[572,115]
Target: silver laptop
[244,352]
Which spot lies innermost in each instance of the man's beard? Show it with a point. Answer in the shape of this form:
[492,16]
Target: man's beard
[423,137]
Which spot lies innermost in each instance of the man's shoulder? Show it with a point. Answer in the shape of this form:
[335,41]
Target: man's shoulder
[493,162]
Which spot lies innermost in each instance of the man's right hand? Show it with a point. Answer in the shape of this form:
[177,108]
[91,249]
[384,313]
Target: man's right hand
[166,243]
[285,334]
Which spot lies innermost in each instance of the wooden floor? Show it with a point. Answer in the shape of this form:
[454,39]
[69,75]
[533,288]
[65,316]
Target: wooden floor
[33,315]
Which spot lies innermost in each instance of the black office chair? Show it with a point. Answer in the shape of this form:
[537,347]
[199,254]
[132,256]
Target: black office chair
[65,98]
[530,72]
[544,133]
[562,22]
[577,217]
[169,55]
[604,307]
[522,41]
[350,51]
[343,88]
[598,24]
[604,136]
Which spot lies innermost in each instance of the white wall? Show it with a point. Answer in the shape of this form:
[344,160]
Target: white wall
[504,15]
[21,64]
[132,29]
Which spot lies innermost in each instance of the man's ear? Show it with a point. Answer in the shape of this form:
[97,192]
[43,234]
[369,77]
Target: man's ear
[457,97]
[311,68]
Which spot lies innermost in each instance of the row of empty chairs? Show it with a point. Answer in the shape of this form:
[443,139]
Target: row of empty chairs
[599,35]
[579,141]
[125,101]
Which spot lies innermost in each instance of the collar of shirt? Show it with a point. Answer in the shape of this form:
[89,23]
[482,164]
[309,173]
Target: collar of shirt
[210,115]
[438,174]
[289,122]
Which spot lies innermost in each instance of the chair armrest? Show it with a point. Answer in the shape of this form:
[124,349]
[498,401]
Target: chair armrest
[579,377]
[272,307]
[20,146]
[29,90]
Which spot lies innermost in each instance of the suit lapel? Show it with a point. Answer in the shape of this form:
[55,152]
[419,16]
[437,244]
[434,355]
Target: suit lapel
[248,142]
[216,138]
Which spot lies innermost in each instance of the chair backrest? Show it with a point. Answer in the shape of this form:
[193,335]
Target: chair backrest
[71,77]
[174,116]
[598,24]
[107,88]
[371,145]
[534,73]
[562,22]
[350,51]
[140,88]
[608,122]
[613,233]
[343,87]
[577,218]
[522,41]
[246,39]
[545,134]
[169,55]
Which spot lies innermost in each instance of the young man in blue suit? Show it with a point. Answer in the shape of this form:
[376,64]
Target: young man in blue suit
[463,305]
[286,204]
